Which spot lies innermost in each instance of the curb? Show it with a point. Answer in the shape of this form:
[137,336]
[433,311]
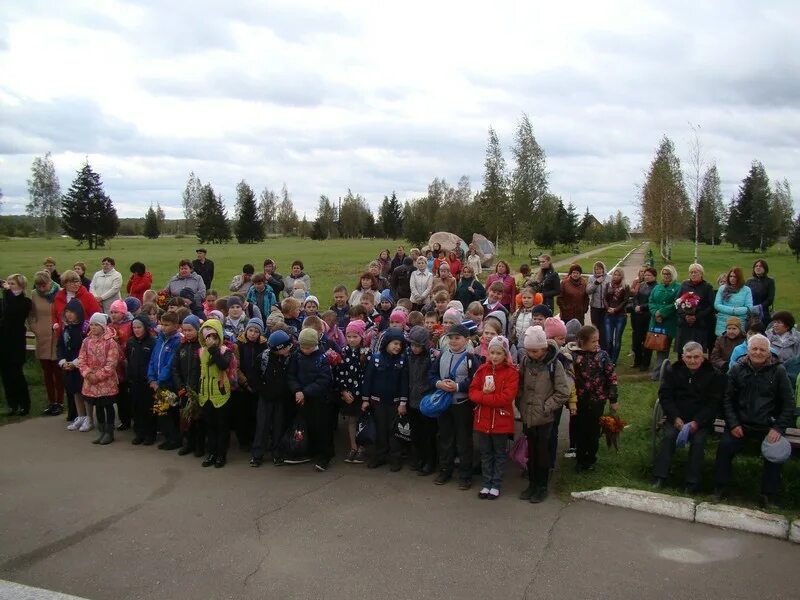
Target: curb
[687,509]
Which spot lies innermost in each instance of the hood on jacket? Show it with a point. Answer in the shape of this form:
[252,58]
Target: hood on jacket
[408,261]
[216,326]
[552,353]
[500,316]
[75,306]
[390,335]
[600,263]
[146,324]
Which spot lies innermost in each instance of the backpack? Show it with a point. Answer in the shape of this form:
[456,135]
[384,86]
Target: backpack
[294,443]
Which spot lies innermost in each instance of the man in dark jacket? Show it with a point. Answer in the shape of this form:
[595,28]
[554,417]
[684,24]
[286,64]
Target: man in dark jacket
[690,394]
[274,279]
[757,402]
[204,267]
[401,279]
[696,325]
[550,282]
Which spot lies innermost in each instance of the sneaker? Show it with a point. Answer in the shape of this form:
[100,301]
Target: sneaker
[350,456]
[87,425]
[494,494]
[277,461]
[322,465]
[570,453]
[48,412]
[464,484]
[296,461]
[359,458]
[483,494]
[255,462]
[209,460]
[442,478]
[57,409]
[76,424]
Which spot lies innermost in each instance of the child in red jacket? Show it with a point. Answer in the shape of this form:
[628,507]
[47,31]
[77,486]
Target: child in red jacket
[493,390]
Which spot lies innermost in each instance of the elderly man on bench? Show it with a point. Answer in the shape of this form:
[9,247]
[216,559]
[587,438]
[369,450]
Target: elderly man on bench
[758,402]
[690,395]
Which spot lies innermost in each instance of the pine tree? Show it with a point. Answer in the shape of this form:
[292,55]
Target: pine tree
[249,226]
[87,213]
[528,183]
[390,217]
[495,188]
[45,193]
[152,228]
[751,222]
[794,238]
[211,218]
[191,200]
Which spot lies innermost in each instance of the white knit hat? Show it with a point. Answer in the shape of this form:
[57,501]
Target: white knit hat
[535,338]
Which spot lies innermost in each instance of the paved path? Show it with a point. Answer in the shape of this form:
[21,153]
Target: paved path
[123,522]
[565,262]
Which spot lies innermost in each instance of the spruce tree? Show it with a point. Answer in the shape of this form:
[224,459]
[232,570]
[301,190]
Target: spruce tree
[528,184]
[87,213]
[751,222]
[211,218]
[152,228]
[710,208]
[249,226]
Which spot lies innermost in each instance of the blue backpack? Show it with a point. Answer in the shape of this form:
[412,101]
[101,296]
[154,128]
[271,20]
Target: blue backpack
[438,401]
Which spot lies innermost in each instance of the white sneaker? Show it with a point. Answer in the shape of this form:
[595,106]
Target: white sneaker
[570,453]
[494,494]
[87,425]
[76,424]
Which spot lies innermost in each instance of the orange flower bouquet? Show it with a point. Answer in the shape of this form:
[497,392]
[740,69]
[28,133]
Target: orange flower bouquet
[611,426]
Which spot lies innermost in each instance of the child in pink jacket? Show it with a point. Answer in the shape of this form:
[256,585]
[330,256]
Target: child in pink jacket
[99,357]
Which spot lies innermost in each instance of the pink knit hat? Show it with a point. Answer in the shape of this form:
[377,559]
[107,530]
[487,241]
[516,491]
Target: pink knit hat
[554,327]
[398,316]
[358,327]
[453,315]
[119,306]
[535,338]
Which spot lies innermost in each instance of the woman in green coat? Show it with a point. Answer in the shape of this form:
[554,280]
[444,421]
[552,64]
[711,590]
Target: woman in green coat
[663,313]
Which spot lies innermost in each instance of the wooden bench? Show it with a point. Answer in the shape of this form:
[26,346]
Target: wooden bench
[792,434]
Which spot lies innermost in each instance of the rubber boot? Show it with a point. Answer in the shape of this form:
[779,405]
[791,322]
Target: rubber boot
[108,436]
[101,429]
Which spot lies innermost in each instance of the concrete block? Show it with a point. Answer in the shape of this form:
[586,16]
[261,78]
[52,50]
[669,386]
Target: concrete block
[794,532]
[743,519]
[641,500]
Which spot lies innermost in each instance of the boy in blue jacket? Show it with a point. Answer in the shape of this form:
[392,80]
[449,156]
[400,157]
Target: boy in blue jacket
[386,393]
[310,380]
[453,372]
[159,375]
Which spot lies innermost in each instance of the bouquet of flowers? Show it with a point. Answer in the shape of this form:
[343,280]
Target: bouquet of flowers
[611,426]
[164,400]
[162,300]
[190,409]
[687,303]
[333,358]
[437,331]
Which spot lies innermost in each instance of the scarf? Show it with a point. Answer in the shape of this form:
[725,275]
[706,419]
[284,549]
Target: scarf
[51,293]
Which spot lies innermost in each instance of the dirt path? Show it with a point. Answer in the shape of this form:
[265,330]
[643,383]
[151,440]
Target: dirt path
[568,261]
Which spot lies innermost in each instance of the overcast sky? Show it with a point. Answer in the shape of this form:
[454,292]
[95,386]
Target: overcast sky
[378,96]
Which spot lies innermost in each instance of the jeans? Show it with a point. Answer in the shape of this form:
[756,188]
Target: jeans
[455,432]
[729,447]
[615,325]
[494,456]
[697,447]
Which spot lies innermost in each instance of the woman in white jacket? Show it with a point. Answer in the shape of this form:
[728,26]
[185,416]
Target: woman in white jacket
[421,284]
[106,284]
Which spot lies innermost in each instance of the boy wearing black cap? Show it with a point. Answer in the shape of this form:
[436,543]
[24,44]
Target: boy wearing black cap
[385,392]
[275,405]
[453,372]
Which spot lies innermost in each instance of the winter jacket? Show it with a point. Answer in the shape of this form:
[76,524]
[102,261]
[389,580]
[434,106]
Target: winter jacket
[573,301]
[595,379]
[494,411]
[443,365]
[520,321]
[692,396]
[763,293]
[616,297]
[342,315]
[193,281]
[551,286]
[397,261]
[723,350]
[419,384]
[233,328]
[400,282]
[759,398]
[68,348]
[509,288]
[164,350]
[420,285]
[264,301]
[99,357]
[349,377]
[567,359]
[139,352]
[449,284]
[89,303]
[138,284]
[274,382]
[215,385]
[787,345]
[241,284]
[466,297]
[15,312]
[596,289]
[41,323]
[186,365]
[248,357]
[310,374]
[543,387]
[290,279]
[738,304]
[206,271]
[454,264]
[386,379]
[107,287]
[662,300]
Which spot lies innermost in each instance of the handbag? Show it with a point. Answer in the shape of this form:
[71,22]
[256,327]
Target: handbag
[401,428]
[438,401]
[294,443]
[366,432]
[519,452]
[657,340]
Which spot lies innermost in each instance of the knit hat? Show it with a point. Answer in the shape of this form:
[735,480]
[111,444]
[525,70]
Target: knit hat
[216,314]
[232,301]
[357,327]
[456,304]
[256,323]
[275,318]
[193,321]
[311,299]
[188,293]
[573,325]
[501,318]
[392,334]
[419,335]
[735,321]
[542,309]
[401,309]
[501,341]
[398,316]
[133,304]
[386,295]
[458,330]
[535,338]
[308,338]
[119,306]
[144,321]
[278,340]
[554,327]
[99,319]
[454,315]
